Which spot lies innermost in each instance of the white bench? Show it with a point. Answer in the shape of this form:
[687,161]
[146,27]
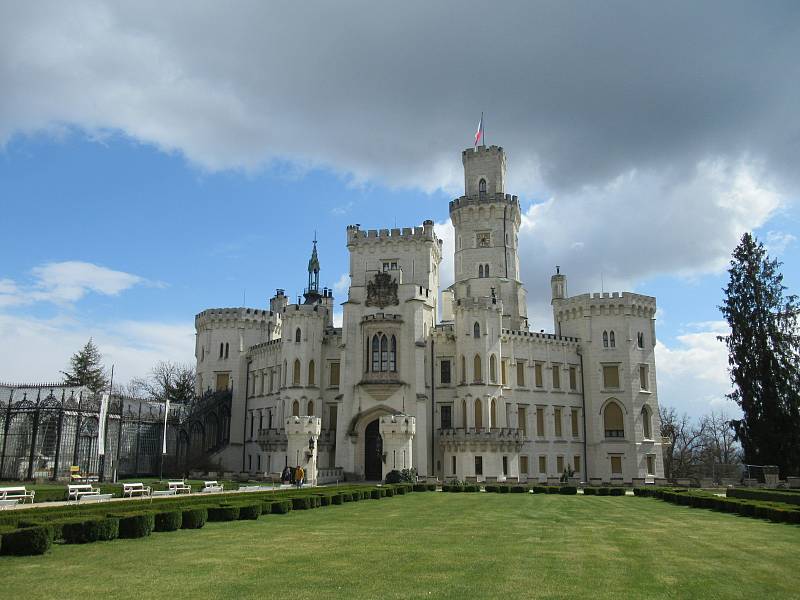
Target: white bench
[131,489]
[94,498]
[211,487]
[179,487]
[16,493]
[4,504]
[76,491]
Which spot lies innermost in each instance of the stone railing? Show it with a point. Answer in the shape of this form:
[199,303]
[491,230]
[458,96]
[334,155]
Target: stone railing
[507,437]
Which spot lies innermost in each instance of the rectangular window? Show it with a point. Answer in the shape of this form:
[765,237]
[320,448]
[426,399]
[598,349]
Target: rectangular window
[537,371]
[478,465]
[444,371]
[447,417]
[643,379]
[540,422]
[560,464]
[576,460]
[333,380]
[616,465]
[543,465]
[453,465]
[333,414]
[503,369]
[574,422]
[505,465]
[573,378]
[386,266]
[249,462]
[263,383]
[258,459]
[610,376]
[523,465]
[252,422]
[557,422]
[520,373]
[556,377]
[522,420]
[394,266]
[651,464]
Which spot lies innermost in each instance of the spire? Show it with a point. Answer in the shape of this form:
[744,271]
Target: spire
[312,291]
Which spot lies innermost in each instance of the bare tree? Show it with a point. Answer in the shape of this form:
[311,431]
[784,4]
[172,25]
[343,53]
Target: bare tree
[167,380]
[721,453]
[685,443]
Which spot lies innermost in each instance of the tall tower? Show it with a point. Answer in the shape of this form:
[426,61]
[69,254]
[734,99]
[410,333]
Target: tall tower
[312,291]
[487,222]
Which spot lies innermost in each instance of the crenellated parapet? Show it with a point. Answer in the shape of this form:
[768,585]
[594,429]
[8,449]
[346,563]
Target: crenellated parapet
[539,337]
[225,317]
[607,303]
[357,236]
[483,200]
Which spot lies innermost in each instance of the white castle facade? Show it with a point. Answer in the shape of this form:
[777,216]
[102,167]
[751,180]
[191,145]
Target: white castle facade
[452,384]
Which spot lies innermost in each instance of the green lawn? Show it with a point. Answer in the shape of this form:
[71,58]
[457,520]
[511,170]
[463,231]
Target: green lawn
[436,545]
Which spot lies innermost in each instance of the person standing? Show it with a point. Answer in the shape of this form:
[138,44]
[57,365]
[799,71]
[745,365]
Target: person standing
[299,474]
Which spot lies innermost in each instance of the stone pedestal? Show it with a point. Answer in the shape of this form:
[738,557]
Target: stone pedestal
[397,433]
[302,434]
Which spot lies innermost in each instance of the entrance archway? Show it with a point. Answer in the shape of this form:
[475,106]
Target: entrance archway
[373,450]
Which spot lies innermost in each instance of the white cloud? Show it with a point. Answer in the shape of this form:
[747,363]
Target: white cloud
[692,375]
[338,317]
[342,284]
[445,232]
[342,209]
[778,241]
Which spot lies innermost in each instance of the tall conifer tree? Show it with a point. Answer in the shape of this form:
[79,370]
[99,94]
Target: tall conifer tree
[87,368]
[763,358]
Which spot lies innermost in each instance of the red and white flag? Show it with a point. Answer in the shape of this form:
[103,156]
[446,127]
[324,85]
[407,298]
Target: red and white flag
[479,133]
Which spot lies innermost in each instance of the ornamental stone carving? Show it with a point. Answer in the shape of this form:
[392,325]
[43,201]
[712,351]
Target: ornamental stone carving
[382,292]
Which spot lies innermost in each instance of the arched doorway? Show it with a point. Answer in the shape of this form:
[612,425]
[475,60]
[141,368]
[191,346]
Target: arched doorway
[373,450]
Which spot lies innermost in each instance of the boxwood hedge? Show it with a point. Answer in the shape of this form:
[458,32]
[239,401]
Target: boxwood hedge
[27,541]
[136,525]
[223,512]
[193,518]
[90,530]
[169,520]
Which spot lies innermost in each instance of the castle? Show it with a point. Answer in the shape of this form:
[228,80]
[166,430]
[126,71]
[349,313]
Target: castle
[453,384]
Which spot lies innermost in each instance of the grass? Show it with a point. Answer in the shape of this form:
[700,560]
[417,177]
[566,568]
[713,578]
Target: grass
[440,546]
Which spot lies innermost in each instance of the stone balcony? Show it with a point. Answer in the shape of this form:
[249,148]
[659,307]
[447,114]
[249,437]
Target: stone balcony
[506,439]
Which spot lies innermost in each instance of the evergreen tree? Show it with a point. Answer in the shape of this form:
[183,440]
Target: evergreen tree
[87,369]
[763,358]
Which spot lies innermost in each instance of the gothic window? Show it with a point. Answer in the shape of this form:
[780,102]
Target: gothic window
[295,409]
[486,270]
[444,374]
[393,355]
[611,339]
[463,369]
[296,372]
[297,335]
[480,270]
[476,330]
[311,374]
[605,339]
[492,369]
[376,354]
[482,187]
[384,353]
[640,340]
[493,414]
[478,414]
[310,407]
[221,349]
[476,369]
[612,421]
[463,414]
[447,417]
[226,349]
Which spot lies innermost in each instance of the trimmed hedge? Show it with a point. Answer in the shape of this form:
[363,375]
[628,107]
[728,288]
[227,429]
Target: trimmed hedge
[518,489]
[193,518]
[136,526]
[375,494]
[764,495]
[90,530]
[589,491]
[568,490]
[249,512]
[388,492]
[280,507]
[27,541]
[325,499]
[603,491]
[420,487]
[224,512]
[302,503]
[615,491]
[168,521]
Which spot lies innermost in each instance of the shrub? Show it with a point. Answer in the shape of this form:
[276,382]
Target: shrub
[375,494]
[616,491]
[250,512]
[90,530]
[355,495]
[393,476]
[764,495]
[136,526]
[53,528]
[568,490]
[281,507]
[302,503]
[168,520]
[27,541]
[223,512]
[503,489]
[388,492]
[325,499]
[490,488]
[420,487]
[552,489]
[347,496]
[472,488]
[539,489]
[400,490]
[603,491]
[589,491]
[431,487]
[193,518]
[338,499]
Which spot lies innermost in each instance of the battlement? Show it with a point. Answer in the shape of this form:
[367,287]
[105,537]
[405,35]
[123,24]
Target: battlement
[397,425]
[485,303]
[299,310]
[264,346]
[483,200]
[382,317]
[479,150]
[533,335]
[356,235]
[305,425]
[621,303]
[252,316]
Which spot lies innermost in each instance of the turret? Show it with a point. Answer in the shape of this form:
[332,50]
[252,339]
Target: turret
[558,286]
[311,293]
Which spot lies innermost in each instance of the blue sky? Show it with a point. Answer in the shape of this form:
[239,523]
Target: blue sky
[146,175]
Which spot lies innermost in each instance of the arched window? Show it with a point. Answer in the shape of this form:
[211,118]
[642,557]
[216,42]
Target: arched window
[612,340]
[376,354]
[492,369]
[478,414]
[482,187]
[297,335]
[295,409]
[647,425]
[310,407]
[384,353]
[393,355]
[605,339]
[640,339]
[463,369]
[226,349]
[480,270]
[612,421]
[476,369]
[312,376]
[296,372]
[463,414]
[476,330]
[221,349]
[486,270]
[285,374]
[493,414]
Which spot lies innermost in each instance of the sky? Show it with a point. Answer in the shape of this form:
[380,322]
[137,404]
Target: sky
[157,159]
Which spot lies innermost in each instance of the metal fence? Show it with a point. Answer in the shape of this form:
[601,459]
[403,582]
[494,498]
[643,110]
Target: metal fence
[41,437]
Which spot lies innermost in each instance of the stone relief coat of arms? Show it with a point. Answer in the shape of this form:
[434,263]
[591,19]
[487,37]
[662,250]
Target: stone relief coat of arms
[382,292]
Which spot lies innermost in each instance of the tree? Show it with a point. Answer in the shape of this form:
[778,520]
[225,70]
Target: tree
[167,380]
[763,358]
[720,453]
[685,443]
[87,369]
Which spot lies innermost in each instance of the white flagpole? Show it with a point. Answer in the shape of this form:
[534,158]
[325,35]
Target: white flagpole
[166,413]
